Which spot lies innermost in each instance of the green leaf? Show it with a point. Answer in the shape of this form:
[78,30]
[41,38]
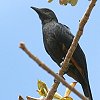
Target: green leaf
[50,1]
[65,2]
[73,2]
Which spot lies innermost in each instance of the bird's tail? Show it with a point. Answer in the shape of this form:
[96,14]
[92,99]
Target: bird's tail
[87,90]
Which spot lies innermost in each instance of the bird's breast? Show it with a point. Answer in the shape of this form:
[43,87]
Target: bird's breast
[53,47]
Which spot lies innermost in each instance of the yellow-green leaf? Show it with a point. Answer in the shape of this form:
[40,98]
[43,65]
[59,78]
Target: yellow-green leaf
[68,91]
[50,1]
[42,92]
[57,96]
[66,98]
[73,2]
[65,2]
[42,88]
[42,85]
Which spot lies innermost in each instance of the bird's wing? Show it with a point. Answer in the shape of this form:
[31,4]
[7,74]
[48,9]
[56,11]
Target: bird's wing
[78,58]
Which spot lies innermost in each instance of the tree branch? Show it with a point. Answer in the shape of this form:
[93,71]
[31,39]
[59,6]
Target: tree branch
[72,47]
[46,68]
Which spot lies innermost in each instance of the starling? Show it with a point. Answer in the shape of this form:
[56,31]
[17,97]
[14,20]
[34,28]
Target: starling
[57,39]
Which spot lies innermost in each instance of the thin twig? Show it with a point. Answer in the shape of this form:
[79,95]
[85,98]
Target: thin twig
[46,68]
[72,47]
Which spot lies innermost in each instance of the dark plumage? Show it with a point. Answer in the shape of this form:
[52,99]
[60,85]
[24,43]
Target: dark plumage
[57,39]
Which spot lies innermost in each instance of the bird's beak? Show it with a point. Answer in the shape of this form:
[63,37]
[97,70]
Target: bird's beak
[40,13]
[36,9]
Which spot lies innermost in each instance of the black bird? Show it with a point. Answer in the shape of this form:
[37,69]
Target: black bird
[57,39]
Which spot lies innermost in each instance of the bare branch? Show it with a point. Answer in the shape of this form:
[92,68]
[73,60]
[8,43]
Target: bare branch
[46,68]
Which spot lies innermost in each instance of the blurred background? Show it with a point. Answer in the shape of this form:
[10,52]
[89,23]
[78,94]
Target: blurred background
[18,22]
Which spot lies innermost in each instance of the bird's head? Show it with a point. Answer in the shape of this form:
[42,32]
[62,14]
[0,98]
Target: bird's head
[46,15]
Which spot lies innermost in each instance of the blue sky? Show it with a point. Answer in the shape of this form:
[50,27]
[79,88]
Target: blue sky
[18,22]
